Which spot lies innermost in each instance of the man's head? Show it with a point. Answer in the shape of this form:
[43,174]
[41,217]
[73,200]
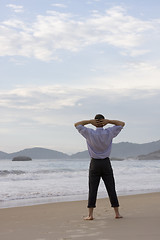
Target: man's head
[99,116]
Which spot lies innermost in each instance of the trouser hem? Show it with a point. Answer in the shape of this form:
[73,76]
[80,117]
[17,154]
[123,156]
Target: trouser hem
[115,206]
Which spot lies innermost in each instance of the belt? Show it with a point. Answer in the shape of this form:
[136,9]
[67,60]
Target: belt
[107,158]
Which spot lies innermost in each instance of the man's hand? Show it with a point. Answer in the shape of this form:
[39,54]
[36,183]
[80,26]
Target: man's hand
[95,122]
[99,122]
[104,122]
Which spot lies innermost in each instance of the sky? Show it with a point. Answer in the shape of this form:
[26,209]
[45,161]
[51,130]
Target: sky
[62,61]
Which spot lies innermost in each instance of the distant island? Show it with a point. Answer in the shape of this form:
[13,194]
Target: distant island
[120,151]
[22,158]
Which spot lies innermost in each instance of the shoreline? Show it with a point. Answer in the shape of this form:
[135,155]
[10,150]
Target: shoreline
[72,198]
[64,220]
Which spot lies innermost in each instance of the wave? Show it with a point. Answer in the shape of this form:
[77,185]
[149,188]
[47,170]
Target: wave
[7,172]
[4,173]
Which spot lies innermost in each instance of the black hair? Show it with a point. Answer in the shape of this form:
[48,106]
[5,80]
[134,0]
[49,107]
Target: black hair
[99,116]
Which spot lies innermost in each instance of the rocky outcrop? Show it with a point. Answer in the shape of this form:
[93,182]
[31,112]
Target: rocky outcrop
[22,158]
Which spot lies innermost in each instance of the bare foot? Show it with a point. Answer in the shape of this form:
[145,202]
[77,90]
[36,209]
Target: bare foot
[118,216]
[88,218]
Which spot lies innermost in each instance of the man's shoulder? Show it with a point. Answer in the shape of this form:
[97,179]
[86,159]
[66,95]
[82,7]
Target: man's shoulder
[81,127]
[114,127]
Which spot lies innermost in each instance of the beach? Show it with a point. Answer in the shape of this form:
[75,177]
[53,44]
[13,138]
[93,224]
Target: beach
[64,220]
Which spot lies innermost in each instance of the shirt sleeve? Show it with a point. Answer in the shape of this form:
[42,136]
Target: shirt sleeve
[115,130]
[82,130]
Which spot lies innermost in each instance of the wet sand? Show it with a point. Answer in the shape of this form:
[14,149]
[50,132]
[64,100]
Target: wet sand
[64,220]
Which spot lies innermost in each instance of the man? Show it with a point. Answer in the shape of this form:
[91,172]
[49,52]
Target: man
[99,143]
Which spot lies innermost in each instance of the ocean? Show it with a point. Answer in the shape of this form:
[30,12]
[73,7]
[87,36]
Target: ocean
[45,181]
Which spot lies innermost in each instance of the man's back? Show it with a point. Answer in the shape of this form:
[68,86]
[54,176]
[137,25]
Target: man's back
[99,141]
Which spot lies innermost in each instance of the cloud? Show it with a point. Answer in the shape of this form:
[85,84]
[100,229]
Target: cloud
[45,115]
[129,75]
[142,66]
[56,97]
[39,98]
[92,1]
[15,8]
[55,31]
[60,5]
[40,111]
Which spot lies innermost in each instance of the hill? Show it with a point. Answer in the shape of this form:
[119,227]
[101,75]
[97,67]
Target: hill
[150,156]
[38,153]
[119,150]
[3,155]
[126,150]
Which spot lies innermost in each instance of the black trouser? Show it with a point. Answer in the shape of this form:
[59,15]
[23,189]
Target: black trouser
[101,168]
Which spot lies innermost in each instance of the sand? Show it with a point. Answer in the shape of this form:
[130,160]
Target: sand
[64,221]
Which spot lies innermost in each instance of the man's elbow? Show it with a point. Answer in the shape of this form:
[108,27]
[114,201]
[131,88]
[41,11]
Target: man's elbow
[123,124]
[76,124]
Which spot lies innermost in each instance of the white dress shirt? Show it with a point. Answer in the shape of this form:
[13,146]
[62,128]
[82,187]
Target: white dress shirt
[99,141]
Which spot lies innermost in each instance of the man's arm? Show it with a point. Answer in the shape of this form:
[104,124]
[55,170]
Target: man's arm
[114,122]
[94,122]
[100,122]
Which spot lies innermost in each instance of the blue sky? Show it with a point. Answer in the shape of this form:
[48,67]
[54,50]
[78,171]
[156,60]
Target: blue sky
[67,60]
